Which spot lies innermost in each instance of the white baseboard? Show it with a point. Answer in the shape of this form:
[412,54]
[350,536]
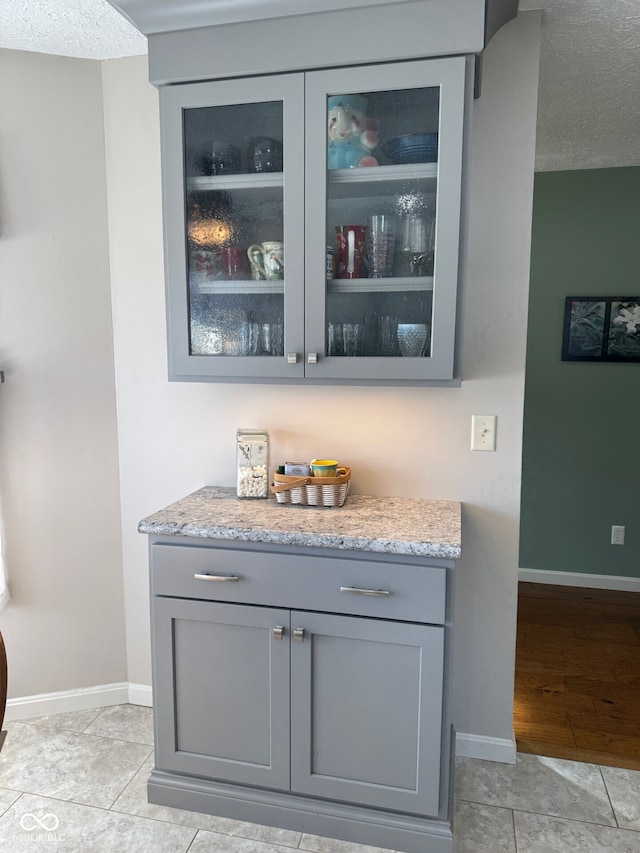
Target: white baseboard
[141,694]
[580,579]
[487,748]
[82,699]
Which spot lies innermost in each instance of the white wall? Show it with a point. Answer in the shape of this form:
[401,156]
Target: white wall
[64,628]
[174,438]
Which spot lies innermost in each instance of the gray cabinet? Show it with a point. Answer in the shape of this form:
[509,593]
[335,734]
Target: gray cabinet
[364,709]
[304,689]
[291,254]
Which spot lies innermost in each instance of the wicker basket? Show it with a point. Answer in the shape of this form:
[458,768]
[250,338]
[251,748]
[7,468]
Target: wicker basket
[312,491]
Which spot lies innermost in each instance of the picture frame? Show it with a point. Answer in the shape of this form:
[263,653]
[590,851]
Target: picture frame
[601,328]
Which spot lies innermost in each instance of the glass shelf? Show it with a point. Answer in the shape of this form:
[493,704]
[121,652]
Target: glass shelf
[380,285]
[251,181]
[368,174]
[376,182]
[239,287]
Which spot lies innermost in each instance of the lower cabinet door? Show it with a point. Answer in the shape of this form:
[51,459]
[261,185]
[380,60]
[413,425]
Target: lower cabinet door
[221,675]
[366,714]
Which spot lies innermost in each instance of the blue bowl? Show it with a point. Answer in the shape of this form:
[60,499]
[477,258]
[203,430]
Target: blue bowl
[412,148]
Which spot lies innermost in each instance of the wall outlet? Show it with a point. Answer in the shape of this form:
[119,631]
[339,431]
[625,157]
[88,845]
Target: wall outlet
[617,534]
[483,432]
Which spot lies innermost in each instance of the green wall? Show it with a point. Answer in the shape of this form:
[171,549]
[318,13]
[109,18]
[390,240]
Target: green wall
[581,447]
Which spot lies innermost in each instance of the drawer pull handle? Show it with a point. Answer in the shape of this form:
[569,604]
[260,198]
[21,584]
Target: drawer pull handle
[216,577]
[278,632]
[298,635]
[364,591]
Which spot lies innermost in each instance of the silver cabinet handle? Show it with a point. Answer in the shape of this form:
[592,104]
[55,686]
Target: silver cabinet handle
[312,358]
[278,632]
[364,591]
[216,577]
[292,358]
[298,635]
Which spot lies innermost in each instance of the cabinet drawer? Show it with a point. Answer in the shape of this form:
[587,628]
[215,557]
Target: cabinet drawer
[413,593]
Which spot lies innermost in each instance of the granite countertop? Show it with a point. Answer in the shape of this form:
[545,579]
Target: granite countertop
[406,526]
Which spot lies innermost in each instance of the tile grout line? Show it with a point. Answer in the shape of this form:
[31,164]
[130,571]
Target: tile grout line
[576,820]
[11,805]
[515,832]
[190,845]
[97,716]
[17,790]
[556,816]
[613,811]
[235,834]
[83,732]
[144,761]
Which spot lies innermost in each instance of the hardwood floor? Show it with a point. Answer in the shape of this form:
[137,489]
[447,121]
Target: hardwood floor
[577,681]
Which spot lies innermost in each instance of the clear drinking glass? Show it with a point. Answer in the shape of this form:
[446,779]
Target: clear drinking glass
[353,334]
[335,339]
[277,339]
[250,338]
[272,335]
[417,243]
[387,335]
[381,238]
[412,339]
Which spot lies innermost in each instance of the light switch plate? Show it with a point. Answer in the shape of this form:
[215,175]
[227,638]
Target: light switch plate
[483,432]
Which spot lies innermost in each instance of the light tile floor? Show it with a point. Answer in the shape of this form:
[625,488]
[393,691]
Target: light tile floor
[76,783]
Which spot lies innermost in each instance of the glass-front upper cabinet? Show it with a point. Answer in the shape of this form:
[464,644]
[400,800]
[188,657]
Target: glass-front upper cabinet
[384,163]
[233,166]
[312,223]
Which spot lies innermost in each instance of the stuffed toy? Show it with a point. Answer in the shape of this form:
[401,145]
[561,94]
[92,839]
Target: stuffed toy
[352,133]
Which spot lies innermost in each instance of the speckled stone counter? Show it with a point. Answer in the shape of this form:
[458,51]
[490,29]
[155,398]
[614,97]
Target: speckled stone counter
[406,526]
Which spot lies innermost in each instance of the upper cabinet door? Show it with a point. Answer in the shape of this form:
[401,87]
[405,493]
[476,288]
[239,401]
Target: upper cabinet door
[233,167]
[384,163]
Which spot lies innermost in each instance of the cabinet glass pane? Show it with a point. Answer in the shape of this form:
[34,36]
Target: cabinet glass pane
[381,222]
[234,229]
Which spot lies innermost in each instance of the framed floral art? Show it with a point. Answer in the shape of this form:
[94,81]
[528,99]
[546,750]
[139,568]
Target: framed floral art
[601,328]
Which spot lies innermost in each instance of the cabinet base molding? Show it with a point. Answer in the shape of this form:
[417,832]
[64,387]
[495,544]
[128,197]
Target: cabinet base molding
[409,834]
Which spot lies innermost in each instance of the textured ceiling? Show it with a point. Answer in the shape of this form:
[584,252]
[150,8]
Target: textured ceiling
[589,95]
[90,29]
[589,90]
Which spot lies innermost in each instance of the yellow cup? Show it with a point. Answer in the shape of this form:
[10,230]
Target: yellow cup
[324,467]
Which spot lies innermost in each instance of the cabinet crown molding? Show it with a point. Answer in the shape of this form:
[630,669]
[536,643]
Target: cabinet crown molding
[161,16]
